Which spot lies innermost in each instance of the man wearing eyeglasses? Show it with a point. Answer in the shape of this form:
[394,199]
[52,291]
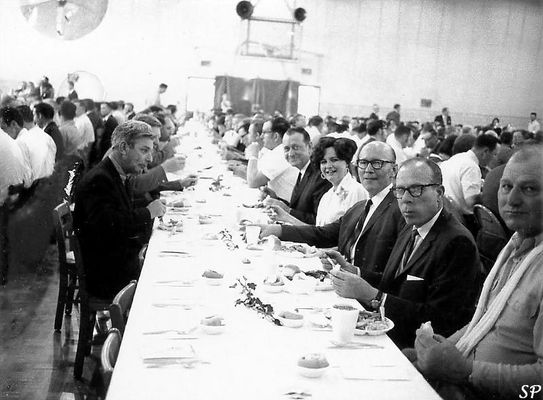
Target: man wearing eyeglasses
[366,234]
[432,271]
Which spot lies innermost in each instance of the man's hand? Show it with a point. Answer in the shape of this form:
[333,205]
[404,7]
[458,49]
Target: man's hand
[438,358]
[189,181]
[265,191]
[268,201]
[340,260]
[252,150]
[268,230]
[352,286]
[156,208]
[175,141]
[174,164]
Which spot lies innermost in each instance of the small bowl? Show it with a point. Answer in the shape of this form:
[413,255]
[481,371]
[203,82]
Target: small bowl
[213,329]
[291,323]
[272,288]
[311,372]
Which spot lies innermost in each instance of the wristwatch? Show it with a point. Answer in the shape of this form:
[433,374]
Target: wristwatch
[376,302]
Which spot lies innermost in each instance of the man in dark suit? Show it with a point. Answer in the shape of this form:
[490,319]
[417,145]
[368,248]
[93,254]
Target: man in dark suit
[310,186]
[432,272]
[366,234]
[110,123]
[109,228]
[444,119]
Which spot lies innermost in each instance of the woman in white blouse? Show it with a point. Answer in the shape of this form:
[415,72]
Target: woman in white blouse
[333,156]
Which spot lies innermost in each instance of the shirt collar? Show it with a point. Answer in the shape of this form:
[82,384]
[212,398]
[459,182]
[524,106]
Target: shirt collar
[345,183]
[379,197]
[118,168]
[425,229]
[473,156]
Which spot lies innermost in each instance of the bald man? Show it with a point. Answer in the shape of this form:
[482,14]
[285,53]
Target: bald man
[366,234]
[432,272]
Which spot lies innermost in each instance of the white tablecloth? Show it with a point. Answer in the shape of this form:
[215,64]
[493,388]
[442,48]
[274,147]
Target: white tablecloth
[252,358]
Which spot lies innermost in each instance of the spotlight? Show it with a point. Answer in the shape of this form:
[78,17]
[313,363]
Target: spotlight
[244,9]
[299,14]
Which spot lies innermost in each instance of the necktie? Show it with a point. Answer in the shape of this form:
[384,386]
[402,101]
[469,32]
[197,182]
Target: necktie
[408,251]
[299,178]
[358,228]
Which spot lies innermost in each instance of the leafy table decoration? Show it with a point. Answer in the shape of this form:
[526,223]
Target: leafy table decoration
[253,302]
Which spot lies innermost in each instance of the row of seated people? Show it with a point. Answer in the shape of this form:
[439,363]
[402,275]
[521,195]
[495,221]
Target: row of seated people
[400,248]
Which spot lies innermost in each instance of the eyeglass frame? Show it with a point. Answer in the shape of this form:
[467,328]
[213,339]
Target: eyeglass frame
[370,162]
[408,189]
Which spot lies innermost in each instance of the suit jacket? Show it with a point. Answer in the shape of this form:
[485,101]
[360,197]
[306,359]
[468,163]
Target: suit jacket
[446,283]
[105,143]
[306,196]
[110,230]
[439,119]
[52,130]
[375,244]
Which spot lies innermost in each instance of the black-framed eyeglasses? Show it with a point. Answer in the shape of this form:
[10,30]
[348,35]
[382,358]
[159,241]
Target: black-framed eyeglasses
[414,191]
[375,164]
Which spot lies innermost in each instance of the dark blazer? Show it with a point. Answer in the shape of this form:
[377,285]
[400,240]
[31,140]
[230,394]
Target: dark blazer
[109,229]
[375,244]
[306,196]
[52,130]
[447,263]
[105,142]
[439,120]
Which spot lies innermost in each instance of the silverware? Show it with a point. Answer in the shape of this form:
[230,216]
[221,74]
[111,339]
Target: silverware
[356,345]
[177,331]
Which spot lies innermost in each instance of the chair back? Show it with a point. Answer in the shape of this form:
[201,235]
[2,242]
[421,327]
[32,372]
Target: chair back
[63,230]
[108,356]
[491,238]
[120,307]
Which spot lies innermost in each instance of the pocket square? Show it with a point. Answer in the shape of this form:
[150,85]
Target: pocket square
[413,278]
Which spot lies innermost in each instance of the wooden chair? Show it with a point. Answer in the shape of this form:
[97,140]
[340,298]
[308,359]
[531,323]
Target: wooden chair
[109,354]
[120,307]
[88,306]
[67,270]
[491,238]
[13,201]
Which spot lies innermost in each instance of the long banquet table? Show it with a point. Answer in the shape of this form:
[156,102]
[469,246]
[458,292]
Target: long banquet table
[252,358]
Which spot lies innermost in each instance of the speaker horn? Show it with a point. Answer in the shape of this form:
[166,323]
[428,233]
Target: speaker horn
[244,9]
[299,14]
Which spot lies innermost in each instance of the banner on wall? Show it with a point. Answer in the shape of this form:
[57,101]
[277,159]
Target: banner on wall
[248,96]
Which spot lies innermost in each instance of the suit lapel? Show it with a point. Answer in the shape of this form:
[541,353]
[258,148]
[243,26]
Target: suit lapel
[108,164]
[379,211]
[395,258]
[298,189]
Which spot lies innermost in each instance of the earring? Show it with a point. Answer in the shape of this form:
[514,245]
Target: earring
[322,176]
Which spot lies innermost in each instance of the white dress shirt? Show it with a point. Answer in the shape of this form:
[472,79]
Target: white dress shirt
[282,176]
[462,178]
[84,126]
[336,201]
[12,164]
[398,149]
[39,150]
[423,231]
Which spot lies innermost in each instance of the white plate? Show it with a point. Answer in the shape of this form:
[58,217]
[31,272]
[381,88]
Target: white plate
[291,323]
[361,332]
[213,281]
[311,372]
[272,288]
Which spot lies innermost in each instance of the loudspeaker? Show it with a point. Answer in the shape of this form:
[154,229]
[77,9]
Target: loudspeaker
[244,9]
[299,14]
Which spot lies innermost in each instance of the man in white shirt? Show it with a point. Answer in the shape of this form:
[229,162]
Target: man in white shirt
[271,169]
[398,141]
[37,147]
[314,128]
[533,125]
[84,126]
[12,165]
[462,176]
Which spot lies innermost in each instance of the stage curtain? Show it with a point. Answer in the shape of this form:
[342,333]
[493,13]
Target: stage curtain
[248,94]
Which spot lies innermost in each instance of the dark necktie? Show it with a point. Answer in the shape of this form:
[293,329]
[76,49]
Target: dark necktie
[358,228]
[408,251]
[299,178]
